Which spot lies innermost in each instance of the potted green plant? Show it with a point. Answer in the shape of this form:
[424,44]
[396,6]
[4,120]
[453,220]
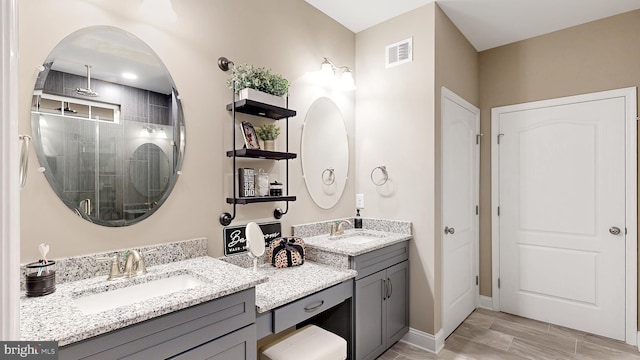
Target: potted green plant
[259,84]
[268,133]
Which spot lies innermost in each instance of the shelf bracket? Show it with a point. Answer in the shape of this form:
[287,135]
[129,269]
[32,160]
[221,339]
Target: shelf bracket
[223,63]
[226,218]
[277,213]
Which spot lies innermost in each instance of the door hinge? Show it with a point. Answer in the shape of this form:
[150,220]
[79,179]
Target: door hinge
[499,138]
[476,280]
[498,283]
[498,210]
[478,138]
[477,210]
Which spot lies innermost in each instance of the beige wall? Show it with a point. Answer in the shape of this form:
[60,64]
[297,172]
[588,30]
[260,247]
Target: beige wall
[398,125]
[597,56]
[395,128]
[456,69]
[288,36]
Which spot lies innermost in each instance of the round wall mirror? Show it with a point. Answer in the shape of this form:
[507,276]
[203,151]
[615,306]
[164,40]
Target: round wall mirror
[149,170]
[325,153]
[108,126]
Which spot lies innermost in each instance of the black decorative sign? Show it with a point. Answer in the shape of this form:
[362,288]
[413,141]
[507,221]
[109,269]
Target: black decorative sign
[235,240]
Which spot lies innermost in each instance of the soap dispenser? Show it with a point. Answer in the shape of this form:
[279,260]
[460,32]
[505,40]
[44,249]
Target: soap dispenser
[357,221]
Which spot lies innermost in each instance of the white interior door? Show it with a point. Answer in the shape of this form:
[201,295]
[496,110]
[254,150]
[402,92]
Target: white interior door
[562,211]
[460,182]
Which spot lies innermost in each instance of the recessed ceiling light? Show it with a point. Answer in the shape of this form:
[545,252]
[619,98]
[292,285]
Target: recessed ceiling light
[129,76]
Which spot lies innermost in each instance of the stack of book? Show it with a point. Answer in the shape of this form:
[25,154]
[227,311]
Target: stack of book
[246,182]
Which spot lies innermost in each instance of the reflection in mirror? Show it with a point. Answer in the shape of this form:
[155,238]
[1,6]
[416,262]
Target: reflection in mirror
[149,170]
[325,153]
[108,126]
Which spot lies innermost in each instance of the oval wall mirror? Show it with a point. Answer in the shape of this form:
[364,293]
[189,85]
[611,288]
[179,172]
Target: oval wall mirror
[149,170]
[108,126]
[325,153]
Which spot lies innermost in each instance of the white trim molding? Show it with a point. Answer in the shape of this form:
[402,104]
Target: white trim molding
[425,341]
[631,210]
[9,188]
[485,302]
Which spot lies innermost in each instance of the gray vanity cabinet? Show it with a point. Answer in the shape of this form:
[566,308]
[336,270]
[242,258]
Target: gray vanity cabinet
[223,328]
[381,300]
[370,316]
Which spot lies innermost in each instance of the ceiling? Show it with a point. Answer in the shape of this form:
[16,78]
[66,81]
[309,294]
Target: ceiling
[485,23]
[111,52]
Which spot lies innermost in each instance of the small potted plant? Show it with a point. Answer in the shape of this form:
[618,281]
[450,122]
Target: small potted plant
[268,133]
[259,84]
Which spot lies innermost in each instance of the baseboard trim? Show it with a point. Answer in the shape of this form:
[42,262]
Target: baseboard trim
[485,302]
[638,341]
[425,341]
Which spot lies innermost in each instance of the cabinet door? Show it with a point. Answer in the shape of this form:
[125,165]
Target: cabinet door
[397,302]
[239,345]
[370,316]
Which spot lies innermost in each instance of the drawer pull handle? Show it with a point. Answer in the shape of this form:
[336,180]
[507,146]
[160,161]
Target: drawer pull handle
[314,308]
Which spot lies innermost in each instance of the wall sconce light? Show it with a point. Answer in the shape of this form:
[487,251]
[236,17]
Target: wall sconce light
[328,71]
[149,130]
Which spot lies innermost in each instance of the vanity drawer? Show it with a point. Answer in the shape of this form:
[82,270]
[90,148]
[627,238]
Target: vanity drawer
[372,262]
[310,306]
[170,334]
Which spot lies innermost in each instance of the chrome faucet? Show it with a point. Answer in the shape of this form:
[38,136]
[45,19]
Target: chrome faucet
[134,265]
[337,228]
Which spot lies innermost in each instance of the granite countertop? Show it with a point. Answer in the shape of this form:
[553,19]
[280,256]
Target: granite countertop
[336,245]
[289,284]
[55,317]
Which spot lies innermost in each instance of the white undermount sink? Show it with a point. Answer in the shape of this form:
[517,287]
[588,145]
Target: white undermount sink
[111,299]
[357,238]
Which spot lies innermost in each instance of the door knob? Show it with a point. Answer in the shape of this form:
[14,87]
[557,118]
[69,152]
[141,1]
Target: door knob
[448,230]
[614,230]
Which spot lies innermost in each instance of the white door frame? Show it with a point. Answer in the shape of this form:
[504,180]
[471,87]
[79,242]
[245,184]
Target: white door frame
[448,94]
[631,248]
[9,208]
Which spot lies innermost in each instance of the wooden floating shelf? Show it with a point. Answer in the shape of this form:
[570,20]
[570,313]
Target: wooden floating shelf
[256,108]
[259,199]
[261,154]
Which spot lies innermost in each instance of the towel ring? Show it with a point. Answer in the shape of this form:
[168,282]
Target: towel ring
[331,178]
[385,175]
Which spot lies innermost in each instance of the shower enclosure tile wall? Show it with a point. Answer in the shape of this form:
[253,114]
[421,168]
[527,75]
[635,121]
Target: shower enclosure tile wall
[145,117]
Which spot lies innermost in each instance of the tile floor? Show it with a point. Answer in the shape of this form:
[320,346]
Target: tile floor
[493,335]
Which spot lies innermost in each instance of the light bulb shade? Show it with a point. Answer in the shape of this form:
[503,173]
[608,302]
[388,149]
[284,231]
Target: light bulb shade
[327,69]
[346,82]
[144,133]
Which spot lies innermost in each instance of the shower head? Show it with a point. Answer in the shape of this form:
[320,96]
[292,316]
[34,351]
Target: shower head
[87,91]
